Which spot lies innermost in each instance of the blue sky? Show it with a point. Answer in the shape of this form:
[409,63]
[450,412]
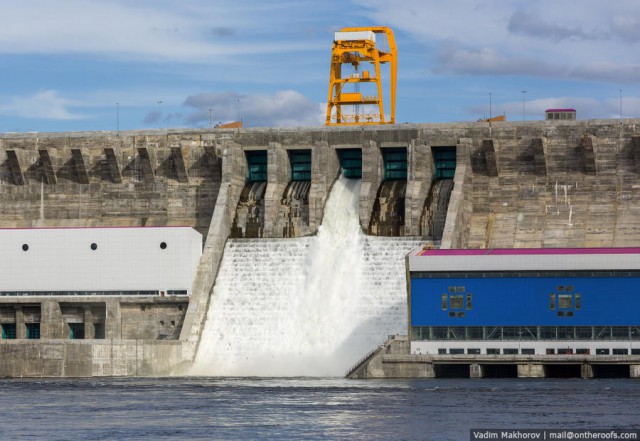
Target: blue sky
[64,64]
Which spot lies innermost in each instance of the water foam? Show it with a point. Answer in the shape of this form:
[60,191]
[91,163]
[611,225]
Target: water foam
[308,306]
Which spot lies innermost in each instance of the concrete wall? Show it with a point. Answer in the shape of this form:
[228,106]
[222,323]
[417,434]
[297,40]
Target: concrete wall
[96,358]
[100,179]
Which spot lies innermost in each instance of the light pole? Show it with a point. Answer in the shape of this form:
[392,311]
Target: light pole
[117,119]
[489,106]
[523,101]
[160,114]
[620,103]
[210,120]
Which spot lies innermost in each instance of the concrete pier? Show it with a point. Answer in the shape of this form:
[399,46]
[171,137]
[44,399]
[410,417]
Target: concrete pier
[479,366]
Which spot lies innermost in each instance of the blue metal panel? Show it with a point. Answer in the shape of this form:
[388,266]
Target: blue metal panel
[612,301]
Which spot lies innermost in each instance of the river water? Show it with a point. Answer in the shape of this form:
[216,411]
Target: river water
[199,408]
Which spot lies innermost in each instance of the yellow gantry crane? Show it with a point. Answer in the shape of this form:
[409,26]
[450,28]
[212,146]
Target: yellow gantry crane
[360,89]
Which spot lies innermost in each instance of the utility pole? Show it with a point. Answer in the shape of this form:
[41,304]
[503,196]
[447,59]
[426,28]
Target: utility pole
[160,114]
[523,101]
[490,116]
[620,103]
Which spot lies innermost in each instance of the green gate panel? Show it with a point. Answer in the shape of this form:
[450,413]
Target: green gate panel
[256,165]
[444,159]
[76,331]
[8,331]
[395,164]
[351,162]
[33,331]
[98,330]
[300,165]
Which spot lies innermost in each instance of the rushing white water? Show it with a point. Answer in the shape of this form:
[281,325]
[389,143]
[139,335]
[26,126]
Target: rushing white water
[308,306]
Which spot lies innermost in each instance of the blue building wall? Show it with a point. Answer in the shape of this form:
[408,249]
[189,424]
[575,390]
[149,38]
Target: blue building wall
[526,301]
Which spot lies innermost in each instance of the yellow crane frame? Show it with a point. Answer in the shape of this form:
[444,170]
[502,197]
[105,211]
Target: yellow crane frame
[355,52]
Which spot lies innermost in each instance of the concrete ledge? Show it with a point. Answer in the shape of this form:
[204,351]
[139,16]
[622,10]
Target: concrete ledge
[89,358]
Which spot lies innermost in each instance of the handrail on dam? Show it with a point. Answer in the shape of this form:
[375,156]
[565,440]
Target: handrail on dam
[368,356]
[359,363]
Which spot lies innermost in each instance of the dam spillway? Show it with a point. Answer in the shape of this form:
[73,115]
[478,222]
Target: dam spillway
[308,306]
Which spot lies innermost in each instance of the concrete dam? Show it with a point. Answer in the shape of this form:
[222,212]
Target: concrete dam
[268,204]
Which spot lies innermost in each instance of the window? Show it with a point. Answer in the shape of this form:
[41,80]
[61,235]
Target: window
[565,332]
[439,332]
[583,351]
[469,302]
[528,351]
[602,351]
[456,302]
[548,333]
[528,333]
[550,351]
[552,301]
[602,332]
[456,351]
[620,332]
[565,301]
[620,351]
[578,298]
[493,351]
[494,333]
[33,331]
[98,331]
[444,302]
[583,333]
[473,351]
[510,351]
[76,331]
[510,332]
[8,331]
[455,333]
[442,351]
[474,333]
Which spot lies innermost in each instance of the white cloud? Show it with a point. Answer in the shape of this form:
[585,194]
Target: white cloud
[42,105]
[195,31]
[596,41]
[285,108]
